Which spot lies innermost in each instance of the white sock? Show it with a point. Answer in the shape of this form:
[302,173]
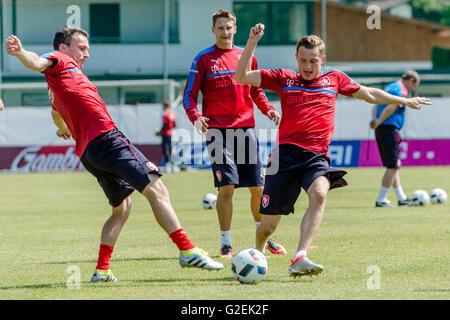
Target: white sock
[382,195]
[299,254]
[226,238]
[401,196]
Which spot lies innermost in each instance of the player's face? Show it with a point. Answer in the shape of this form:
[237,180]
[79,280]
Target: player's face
[411,84]
[224,30]
[78,49]
[309,62]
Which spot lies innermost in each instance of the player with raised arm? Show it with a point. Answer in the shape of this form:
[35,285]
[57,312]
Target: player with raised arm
[120,168]
[308,101]
[228,120]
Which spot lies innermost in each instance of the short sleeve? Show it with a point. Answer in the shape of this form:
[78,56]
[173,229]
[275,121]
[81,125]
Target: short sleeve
[271,80]
[394,89]
[59,62]
[346,85]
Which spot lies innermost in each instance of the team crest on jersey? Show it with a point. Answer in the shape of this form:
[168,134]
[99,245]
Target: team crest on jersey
[265,200]
[324,81]
[219,175]
[151,166]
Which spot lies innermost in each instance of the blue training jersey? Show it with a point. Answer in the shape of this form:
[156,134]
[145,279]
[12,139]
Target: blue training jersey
[397,119]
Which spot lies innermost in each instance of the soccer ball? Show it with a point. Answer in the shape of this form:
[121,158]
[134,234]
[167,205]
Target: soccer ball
[420,198]
[209,201]
[438,196]
[249,266]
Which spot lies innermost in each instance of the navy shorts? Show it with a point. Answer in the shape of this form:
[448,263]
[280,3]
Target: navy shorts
[388,140]
[234,156]
[294,168]
[120,168]
[166,147]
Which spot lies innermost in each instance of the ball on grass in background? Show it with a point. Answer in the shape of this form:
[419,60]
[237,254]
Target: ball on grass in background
[420,198]
[209,201]
[438,195]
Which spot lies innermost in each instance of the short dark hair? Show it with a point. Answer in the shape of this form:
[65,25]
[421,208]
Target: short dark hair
[65,34]
[310,42]
[411,74]
[223,14]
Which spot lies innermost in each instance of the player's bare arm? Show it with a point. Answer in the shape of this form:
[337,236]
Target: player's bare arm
[387,112]
[28,58]
[244,74]
[63,131]
[1,105]
[378,96]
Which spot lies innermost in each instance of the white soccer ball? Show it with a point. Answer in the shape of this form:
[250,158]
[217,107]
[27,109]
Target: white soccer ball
[420,198]
[209,201]
[249,266]
[438,195]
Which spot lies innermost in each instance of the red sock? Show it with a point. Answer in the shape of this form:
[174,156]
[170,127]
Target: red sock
[180,238]
[104,255]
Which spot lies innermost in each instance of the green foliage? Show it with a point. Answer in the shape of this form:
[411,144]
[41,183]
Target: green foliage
[434,10]
[440,57]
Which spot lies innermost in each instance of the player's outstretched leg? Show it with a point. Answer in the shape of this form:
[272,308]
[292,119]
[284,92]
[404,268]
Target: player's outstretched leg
[190,255]
[110,233]
[311,221]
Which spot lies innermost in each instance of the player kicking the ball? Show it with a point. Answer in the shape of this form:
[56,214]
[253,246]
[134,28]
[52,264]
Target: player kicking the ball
[308,106]
[120,168]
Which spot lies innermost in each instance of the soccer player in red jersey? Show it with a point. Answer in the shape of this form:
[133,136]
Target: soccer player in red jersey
[169,122]
[228,113]
[120,168]
[308,105]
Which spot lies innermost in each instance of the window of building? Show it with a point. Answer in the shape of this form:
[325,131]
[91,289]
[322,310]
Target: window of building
[104,22]
[285,22]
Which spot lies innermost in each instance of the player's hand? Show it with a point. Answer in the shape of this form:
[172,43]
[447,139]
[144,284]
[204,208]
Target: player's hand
[158,133]
[373,124]
[64,133]
[13,45]
[415,102]
[257,32]
[201,124]
[1,105]
[274,116]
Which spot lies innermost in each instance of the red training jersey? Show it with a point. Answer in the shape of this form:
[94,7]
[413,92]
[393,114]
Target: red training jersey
[169,119]
[308,107]
[77,100]
[227,103]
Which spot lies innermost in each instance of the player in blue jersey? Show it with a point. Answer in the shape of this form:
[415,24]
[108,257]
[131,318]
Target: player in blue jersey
[388,120]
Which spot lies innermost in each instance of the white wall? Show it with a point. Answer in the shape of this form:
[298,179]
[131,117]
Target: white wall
[33,126]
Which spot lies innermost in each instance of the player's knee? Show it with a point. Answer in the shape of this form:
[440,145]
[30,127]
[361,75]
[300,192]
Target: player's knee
[157,191]
[226,192]
[318,195]
[267,228]
[124,209]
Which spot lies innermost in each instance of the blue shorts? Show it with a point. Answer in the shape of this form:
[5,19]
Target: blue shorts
[388,140]
[297,168]
[234,156]
[120,168]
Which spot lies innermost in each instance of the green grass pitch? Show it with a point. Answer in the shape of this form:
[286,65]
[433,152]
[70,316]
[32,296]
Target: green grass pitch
[50,227]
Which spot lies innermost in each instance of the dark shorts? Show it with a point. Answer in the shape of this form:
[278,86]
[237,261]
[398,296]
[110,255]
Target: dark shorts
[290,169]
[388,140]
[234,156]
[166,146]
[120,168]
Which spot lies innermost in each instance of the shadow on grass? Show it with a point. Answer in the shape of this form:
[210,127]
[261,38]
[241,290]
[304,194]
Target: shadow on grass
[115,260]
[37,286]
